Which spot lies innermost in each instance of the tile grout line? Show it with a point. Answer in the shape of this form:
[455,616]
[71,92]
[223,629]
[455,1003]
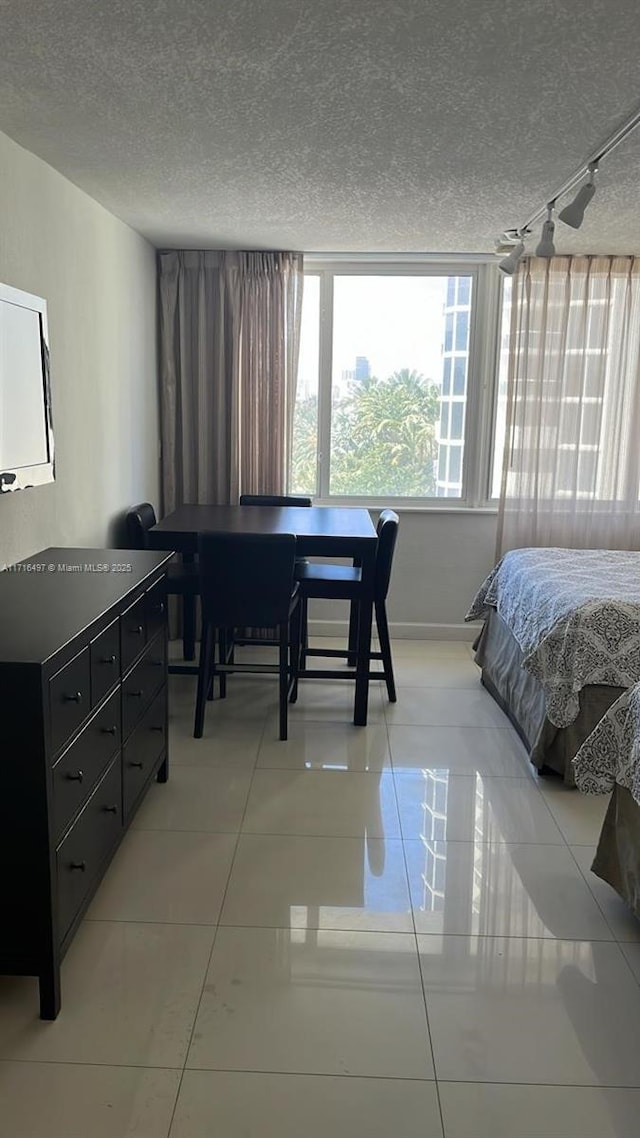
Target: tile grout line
[616,940]
[415,934]
[215,935]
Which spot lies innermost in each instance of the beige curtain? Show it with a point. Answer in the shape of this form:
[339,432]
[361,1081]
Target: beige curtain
[229,342]
[571,474]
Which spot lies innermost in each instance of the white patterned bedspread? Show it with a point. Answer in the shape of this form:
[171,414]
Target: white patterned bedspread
[612,751]
[575,614]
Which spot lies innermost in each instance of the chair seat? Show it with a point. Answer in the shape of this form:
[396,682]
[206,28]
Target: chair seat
[328,582]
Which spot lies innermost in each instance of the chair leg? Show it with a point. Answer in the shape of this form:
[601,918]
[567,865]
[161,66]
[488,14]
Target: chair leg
[304,632]
[189,627]
[354,619]
[283,675]
[205,672]
[294,651]
[385,649]
[222,641]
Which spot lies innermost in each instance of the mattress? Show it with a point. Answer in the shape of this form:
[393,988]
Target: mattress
[522,698]
[575,616]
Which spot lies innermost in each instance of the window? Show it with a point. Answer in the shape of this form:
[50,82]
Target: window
[391,397]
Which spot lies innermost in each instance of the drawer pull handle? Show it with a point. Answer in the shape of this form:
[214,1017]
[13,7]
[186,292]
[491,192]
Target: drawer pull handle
[111,809]
[75,698]
[138,765]
[159,608]
[158,729]
[81,865]
[156,663]
[108,660]
[136,694]
[77,777]
[109,730]
[138,630]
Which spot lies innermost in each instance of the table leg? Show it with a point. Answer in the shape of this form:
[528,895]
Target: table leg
[365,620]
[188,617]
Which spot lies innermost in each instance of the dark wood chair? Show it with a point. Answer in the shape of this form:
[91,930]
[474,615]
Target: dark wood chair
[246,580]
[182,578]
[342,582]
[267,636]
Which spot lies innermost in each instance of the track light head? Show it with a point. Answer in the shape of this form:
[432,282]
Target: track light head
[509,264]
[545,246]
[573,214]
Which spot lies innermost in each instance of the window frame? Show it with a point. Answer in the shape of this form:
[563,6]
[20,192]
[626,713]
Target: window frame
[482,377]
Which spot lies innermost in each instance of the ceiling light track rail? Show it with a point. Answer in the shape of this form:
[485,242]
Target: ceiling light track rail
[573,213]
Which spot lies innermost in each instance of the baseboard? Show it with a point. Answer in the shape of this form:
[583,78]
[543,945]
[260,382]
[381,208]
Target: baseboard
[402,630]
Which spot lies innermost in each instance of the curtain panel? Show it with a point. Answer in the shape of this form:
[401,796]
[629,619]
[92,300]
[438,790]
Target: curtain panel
[229,344]
[571,471]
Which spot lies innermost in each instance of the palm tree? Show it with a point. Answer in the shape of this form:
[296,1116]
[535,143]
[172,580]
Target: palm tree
[384,436]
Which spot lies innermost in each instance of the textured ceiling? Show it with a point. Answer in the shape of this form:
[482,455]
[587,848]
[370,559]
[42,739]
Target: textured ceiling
[336,125]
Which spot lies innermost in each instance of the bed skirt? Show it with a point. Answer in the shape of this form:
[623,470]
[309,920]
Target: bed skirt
[522,698]
[617,859]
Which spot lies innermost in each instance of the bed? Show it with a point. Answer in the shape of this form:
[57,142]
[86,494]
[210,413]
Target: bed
[560,643]
[609,761]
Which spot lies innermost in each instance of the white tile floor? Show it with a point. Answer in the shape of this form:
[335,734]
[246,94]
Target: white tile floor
[377,931]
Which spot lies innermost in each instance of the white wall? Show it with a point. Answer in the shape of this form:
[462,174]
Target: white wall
[440,562]
[99,280]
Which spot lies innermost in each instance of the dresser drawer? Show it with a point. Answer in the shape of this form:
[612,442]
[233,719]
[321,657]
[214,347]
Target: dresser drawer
[142,683]
[142,751]
[80,766]
[156,609]
[81,855]
[133,632]
[105,662]
[69,698]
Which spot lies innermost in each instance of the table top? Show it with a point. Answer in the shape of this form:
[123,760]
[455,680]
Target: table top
[313,526]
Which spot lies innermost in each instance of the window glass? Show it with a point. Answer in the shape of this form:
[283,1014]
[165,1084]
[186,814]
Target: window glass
[457,417]
[455,464]
[459,375]
[444,421]
[386,389]
[397,363]
[464,290]
[462,330]
[446,377]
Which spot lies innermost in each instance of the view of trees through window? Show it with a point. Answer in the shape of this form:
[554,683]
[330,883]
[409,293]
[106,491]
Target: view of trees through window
[384,437]
[398,387]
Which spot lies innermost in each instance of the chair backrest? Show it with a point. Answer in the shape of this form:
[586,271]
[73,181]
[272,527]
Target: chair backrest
[139,521]
[246,579]
[387,530]
[274,500]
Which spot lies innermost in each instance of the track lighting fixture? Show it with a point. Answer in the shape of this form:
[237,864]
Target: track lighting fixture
[512,240]
[573,214]
[509,264]
[545,246]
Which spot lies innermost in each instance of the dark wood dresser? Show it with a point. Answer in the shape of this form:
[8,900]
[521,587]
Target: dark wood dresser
[83,730]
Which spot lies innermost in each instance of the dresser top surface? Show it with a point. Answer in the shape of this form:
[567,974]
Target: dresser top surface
[49,599]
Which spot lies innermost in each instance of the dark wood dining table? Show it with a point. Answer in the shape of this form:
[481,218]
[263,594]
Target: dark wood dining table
[321,531]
